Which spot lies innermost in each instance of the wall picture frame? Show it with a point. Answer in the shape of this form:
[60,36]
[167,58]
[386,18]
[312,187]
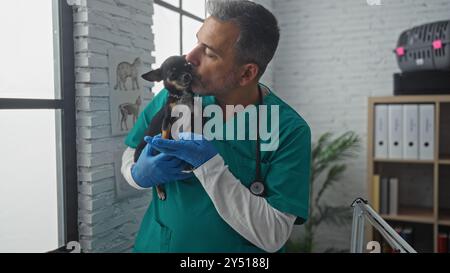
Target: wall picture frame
[126,89]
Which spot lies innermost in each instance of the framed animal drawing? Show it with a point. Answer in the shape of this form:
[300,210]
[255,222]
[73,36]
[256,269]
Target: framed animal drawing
[126,89]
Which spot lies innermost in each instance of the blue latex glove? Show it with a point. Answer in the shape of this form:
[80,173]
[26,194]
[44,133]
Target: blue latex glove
[151,170]
[192,148]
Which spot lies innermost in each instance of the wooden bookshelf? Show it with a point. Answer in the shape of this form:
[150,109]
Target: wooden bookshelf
[412,161]
[435,215]
[413,215]
[444,161]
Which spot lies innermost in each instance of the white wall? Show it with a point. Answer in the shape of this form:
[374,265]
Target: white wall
[106,224]
[268,77]
[333,55]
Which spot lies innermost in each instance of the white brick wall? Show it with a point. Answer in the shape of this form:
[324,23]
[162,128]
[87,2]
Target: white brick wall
[105,223]
[268,77]
[333,55]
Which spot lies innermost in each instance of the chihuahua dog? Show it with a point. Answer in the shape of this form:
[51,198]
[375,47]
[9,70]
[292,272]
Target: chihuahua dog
[176,73]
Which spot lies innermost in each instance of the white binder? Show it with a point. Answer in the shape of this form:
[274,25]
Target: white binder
[395,131]
[381,131]
[393,196]
[410,131]
[426,131]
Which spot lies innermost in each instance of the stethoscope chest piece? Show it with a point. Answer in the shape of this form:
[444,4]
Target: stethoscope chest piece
[257,188]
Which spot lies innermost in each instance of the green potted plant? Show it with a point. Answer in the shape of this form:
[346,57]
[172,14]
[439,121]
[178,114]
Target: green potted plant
[327,157]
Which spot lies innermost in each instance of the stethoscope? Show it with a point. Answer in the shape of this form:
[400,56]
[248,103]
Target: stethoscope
[257,186]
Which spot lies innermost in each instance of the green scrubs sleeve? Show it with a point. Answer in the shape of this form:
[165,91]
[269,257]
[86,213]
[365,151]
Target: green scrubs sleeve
[288,179]
[137,133]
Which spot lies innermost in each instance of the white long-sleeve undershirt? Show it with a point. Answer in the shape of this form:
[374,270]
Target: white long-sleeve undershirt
[127,163]
[251,216]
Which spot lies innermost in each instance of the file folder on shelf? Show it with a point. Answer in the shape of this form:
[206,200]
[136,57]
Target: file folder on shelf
[376,193]
[395,135]
[381,131]
[410,131]
[393,196]
[426,131]
[384,199]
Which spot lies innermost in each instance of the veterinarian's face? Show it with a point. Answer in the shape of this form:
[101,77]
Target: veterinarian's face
[213,58]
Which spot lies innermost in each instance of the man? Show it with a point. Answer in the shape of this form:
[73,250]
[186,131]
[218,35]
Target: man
[213,209]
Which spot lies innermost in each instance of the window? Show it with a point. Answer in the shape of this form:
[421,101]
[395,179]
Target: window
[175,25]
[38,190]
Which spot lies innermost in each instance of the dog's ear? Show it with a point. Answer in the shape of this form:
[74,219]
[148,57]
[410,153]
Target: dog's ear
[153,76]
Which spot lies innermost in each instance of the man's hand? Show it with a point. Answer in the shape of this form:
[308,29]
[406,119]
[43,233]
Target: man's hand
[151,170]
[192,148]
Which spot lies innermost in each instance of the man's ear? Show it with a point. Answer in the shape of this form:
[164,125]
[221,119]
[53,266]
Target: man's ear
[249,73]
[153,76]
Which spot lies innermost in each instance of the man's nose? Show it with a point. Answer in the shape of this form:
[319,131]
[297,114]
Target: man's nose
[192,57]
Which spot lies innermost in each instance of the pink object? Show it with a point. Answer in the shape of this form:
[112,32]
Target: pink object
[400,51]
[437,44]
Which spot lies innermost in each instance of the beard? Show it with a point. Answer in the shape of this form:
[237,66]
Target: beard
[211,88]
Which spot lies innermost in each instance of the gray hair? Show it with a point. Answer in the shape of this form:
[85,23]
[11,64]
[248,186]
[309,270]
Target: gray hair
[259,31]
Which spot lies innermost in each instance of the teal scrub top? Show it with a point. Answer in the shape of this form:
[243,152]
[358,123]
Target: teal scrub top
[187,220]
